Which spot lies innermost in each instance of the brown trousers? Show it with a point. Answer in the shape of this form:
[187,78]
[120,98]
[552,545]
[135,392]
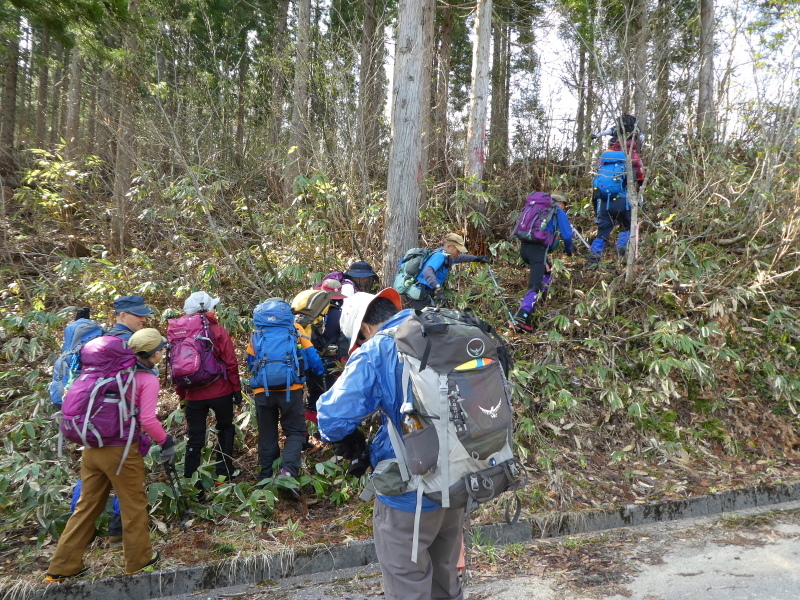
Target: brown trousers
[99,475]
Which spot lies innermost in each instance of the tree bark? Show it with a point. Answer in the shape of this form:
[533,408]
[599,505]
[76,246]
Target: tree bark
[58,84]
[443,90]
[501,77]
[476,127]
[74,106]
[123,165]
[244,63]
[706,119]
[404,184]
[428,27]
[640,64]
[8,120]
[42,89]
[298,136]
[369,102]
[278,74]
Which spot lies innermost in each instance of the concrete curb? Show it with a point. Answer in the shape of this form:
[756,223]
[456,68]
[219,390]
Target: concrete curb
[315,560]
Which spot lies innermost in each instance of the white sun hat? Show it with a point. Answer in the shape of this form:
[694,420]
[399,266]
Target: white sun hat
[355,307]
[199,302]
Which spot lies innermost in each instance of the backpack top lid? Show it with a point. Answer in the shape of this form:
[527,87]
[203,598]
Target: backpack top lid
[612,156]
[310,305]
[273,312]
[79,332]
[455,338]
[538,198]
[106,354]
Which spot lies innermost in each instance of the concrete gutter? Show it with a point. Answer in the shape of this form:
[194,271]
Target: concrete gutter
[254,569]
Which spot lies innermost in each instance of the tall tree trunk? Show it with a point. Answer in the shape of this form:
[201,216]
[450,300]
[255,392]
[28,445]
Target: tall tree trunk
[404,184]
[123,165]
[90,139]
[42,89]
[501,74]
[476,127]
[58,84]
[105,118]
[244,64]
[73,146]
[706,118]
[298,136]
[368,102]
[662,62]
[428,27]
[8,120]
[640,64]
[443,88]
[581,119]
[278,74]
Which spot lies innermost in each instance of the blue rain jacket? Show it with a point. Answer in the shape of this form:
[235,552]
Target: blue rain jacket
[371,380]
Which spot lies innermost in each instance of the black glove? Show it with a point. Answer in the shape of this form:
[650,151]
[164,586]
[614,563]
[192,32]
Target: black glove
[351,446]
[593,137]
[359,464]
[483,259]
[168,451]
[237,398]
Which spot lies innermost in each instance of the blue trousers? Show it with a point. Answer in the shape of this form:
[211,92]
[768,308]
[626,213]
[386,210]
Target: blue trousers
[609,215]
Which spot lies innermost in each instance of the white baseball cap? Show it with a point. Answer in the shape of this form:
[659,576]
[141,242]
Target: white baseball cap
[355,307]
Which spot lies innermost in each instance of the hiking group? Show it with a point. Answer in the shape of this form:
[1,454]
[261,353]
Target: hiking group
[336,355]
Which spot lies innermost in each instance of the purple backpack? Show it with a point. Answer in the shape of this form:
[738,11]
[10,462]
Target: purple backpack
[535,218]
[192,362]
[99,408]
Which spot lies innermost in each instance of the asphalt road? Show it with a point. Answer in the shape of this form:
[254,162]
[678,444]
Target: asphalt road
[750,555]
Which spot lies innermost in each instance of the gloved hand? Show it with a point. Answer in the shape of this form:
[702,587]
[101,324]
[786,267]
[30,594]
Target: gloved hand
[437,294]
[359,464]
[237,398]
[484,259]
[593,137]
[351,446]
[168,451]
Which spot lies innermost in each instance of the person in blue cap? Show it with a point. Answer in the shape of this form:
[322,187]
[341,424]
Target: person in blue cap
[131,313]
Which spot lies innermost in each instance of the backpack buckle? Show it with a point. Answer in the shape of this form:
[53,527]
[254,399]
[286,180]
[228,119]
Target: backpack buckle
[473,483]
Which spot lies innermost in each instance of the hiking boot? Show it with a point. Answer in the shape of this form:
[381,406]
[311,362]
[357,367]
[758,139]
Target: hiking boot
[50,578]
[115,539]
[288,493]
[593,262]
[522,321]
[150,566]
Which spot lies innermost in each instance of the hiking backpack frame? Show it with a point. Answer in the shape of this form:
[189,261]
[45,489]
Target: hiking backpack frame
[409,267]
[99,409]
[463,455]
[277,361]
[535,220]
[192,360]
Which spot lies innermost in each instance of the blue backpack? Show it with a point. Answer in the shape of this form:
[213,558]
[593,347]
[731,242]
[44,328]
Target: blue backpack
[68,364]
[277,362]
[611,181]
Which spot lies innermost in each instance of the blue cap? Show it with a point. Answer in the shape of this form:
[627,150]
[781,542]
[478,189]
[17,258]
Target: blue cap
[132,304]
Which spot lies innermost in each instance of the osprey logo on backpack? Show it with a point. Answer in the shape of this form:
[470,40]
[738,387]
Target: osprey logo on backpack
[276,362]
[536,221]
[462,456]
[76,335]
[192,361]
[99,409]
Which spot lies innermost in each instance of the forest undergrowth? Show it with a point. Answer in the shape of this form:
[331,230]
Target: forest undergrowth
[685,383]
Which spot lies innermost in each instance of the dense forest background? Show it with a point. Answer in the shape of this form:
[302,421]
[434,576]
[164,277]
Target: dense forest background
[249,147]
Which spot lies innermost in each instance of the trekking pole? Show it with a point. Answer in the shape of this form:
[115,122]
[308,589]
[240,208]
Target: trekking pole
[502,299]
[180,499]
[582,239]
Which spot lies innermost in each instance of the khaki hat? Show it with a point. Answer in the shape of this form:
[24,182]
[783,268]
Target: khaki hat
[355,307]
[559,198]
[456,240]
[147,342]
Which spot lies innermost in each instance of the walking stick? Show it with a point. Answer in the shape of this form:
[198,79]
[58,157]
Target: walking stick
[582,239]
[502,299]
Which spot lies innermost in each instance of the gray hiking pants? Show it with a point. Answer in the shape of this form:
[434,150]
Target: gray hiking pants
[435,574]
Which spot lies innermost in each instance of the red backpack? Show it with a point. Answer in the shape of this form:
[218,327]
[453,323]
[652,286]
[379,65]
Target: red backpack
[191,362]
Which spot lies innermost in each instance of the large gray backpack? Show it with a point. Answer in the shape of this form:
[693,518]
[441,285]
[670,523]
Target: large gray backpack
[462,456]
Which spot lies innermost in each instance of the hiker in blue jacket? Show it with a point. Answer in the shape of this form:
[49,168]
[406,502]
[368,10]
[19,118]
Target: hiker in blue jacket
[535,255]
[370,381]
[436,269]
